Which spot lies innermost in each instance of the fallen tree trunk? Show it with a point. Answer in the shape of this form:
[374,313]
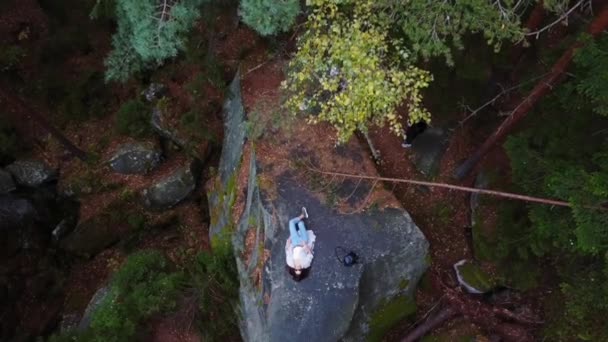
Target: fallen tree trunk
[599,24]
[12,102]
[510,326]
[435,321]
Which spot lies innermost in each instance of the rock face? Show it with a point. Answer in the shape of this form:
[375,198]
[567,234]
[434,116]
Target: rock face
[172,189]
[135,159]
[428,149]
[334,302]
[6,182]
[232,151]
[31,173]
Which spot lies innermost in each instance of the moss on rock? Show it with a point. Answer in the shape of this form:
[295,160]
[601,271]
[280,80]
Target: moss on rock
[477,278]
[390,313]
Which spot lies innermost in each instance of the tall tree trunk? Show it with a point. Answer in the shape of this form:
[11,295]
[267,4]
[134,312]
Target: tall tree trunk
[12,102]
[599,24]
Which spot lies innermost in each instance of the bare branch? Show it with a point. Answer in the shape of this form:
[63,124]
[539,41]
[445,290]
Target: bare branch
[503,194]
[503,92]
[560,19]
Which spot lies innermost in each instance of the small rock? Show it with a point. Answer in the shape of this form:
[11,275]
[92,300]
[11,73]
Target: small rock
[31,173]
[155,91]
[170,190]
[135,159]
[472,278]
[63,228]
[160,126]
[94,304]
[6,182]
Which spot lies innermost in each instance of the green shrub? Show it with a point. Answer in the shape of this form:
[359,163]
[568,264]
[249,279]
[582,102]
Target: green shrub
[143,286]
[133,119]
[269,17]
[214,277]
[194,125]
[10,56]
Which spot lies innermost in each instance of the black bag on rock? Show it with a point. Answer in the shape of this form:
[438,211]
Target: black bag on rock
[347,259]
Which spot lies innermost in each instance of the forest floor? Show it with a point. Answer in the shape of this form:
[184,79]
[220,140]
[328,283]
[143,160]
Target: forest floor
[442,215]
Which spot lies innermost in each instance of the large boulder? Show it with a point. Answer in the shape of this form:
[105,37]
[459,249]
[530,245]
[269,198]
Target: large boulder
[135,158]
[17,218]
[31,173]
[160,124]
[172,189]
[94,234]
[6,182]
[91,237]
[334,302]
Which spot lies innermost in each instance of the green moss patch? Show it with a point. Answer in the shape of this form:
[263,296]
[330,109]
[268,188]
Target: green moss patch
[389,314]
[477,278]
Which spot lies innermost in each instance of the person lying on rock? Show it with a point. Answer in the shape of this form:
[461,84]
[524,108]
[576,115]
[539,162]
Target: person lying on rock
[299,247]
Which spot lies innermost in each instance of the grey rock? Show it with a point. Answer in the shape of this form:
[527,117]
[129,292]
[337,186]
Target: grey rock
[63,228]
[31,173]
[474,281]
[93,235]
[135,159]
[428,149]
[98,298]
[159,124]
[154,91]
[6,182]
[232,150]
[172,189]
[334,302]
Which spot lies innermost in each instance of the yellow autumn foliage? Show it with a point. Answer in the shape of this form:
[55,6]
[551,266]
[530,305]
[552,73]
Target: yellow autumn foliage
[343,72]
